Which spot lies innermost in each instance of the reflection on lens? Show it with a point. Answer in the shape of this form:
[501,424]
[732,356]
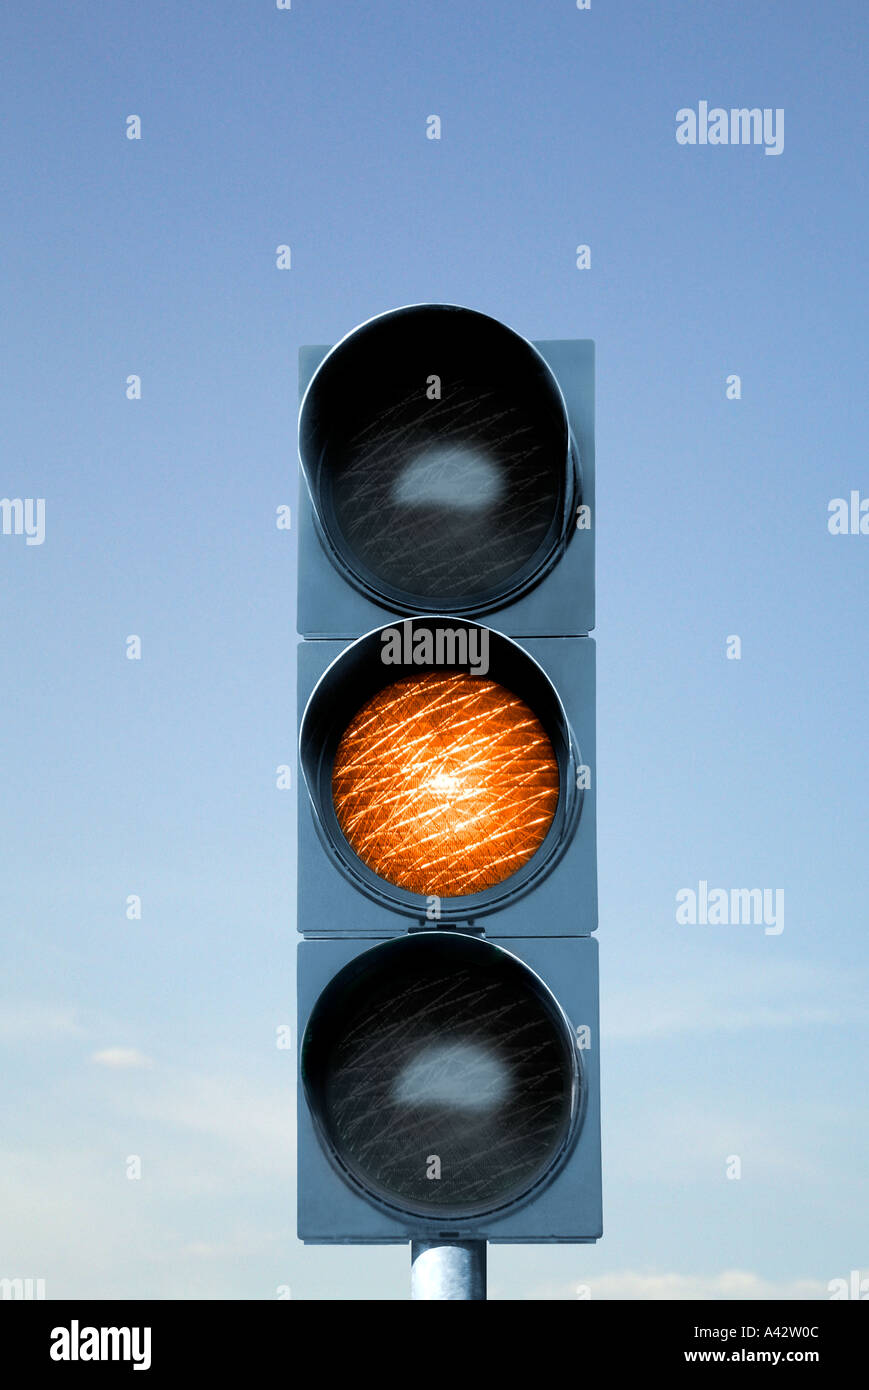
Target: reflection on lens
[446,498]
[460,1074]
[445,783]
[449,477]
[442,1073]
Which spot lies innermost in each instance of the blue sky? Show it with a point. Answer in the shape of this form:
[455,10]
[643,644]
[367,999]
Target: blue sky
[157,257]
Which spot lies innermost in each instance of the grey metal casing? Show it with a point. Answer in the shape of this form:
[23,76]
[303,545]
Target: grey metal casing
[564,1209]
[563,903]
[561,604]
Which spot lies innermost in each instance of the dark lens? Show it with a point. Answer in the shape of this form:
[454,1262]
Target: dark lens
[442,1073]
[451,490]
[450,497]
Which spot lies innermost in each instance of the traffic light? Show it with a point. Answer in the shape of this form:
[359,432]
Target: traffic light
[447,975]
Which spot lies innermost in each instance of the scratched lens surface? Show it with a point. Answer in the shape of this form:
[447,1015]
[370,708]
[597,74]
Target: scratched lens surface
[445,784]
[447,500]
[441,1073]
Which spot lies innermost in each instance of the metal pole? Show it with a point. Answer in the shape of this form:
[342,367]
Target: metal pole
[448,1269]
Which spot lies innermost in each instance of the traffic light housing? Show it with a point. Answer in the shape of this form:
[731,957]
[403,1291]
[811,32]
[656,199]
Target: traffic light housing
[507,417]
[444,1092]
[447,979]
[555,892]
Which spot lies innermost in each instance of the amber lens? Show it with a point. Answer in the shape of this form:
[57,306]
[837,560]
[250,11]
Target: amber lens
[445,784]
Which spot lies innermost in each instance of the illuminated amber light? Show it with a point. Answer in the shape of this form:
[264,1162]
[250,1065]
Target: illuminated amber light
[445,784]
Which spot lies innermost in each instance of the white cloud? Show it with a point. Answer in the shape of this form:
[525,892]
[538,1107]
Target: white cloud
[77,1222]
[31,1022]
[244,1242]
[121,1057]
[210,1217]
[730,1283]
[775,995]
[223,1131]
[655,1020]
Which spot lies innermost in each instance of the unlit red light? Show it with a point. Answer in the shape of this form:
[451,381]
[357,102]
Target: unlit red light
[445,784]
